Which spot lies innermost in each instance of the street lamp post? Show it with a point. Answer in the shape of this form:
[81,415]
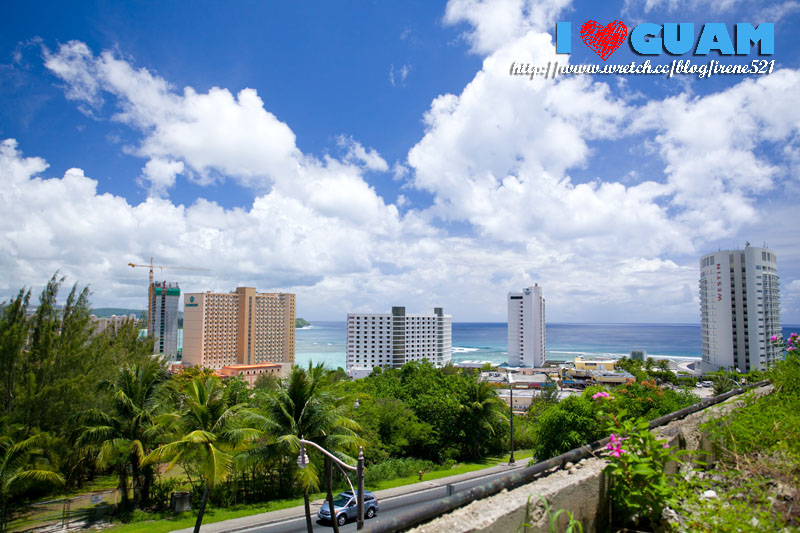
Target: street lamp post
[511,461]
[302,461]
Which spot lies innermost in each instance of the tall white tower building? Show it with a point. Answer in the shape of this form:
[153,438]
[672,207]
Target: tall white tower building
[526,323]
[739,308]
[391,340]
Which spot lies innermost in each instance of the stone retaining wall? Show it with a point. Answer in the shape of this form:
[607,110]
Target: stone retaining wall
[580,488]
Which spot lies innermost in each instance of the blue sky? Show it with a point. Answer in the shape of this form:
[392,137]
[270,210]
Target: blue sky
[370,154]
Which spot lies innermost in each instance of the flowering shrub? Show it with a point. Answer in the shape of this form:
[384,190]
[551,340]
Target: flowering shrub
[792,345]
[785,375]
[639,488]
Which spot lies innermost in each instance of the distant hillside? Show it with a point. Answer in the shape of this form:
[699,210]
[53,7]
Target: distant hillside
[105,312]
[300,323]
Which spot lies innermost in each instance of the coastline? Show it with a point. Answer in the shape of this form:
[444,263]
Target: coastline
[325,342]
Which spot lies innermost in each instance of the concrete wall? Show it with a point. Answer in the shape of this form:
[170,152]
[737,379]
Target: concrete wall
[580,488]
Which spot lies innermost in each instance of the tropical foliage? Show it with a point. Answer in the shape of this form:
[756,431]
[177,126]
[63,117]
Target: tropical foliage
[103,405]
[125,432]
[577,420]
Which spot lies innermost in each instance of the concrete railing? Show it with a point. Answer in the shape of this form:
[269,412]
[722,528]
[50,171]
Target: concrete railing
[573,481]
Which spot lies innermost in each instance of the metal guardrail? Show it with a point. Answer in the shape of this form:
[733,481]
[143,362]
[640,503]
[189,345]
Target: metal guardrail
[436,508]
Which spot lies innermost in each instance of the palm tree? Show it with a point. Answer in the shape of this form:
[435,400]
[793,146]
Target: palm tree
[310,404]
[205,429]
[15,459]
[125,433]
[479,412]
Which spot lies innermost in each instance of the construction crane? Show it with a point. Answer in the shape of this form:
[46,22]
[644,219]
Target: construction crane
[151,266]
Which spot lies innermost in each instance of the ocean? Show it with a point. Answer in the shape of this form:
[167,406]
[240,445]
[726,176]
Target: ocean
[324,342]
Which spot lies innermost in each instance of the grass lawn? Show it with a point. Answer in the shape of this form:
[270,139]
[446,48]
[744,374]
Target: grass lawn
[145,524]
[458,468]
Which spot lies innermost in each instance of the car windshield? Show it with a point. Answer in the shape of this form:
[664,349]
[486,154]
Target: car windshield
[341,500]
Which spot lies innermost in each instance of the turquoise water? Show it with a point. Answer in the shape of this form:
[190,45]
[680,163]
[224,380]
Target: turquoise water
[325,341]
[488,341]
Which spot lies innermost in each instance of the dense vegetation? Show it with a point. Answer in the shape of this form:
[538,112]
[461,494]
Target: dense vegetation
[51,370]
[576,420]
[76,405]
[755,484]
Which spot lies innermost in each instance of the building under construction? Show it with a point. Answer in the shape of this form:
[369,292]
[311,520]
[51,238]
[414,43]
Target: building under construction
[163,320]
[162,309]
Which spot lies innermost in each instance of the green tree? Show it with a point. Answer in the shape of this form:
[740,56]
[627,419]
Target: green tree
[566,425]
[206,429]
[392,430]
[57,365]
[52,363]
[16,470]
[645,399]
[267,381]
[312,405]
[545,399]
[481,411]
[14,328]
[634,367]
[126,432]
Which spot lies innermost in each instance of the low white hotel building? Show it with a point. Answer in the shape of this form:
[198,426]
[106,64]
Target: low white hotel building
[393,339]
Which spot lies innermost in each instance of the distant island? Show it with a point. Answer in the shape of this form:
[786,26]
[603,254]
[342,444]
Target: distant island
[300,323]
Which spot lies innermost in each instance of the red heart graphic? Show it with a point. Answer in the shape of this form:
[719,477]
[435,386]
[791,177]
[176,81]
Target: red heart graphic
[604,40]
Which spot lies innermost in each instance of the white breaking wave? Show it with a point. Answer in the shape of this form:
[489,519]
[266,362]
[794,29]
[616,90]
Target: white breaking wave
[458,349]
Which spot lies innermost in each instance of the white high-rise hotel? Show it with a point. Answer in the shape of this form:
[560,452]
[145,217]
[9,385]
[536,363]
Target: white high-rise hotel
[740,308]
[392,340]
[526,323]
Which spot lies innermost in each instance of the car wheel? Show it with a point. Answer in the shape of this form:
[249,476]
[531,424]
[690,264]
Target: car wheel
[341,519]
[371,512]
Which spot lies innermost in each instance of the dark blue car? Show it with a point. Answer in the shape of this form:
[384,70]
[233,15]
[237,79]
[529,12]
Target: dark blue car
[346,507]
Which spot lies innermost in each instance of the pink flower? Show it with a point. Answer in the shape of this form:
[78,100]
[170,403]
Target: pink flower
[774,338]
[615,446]
[600,395]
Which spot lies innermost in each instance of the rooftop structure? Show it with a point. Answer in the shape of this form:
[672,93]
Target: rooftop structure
[251,373]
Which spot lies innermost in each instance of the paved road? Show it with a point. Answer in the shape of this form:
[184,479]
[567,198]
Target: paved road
[298,525]
[392,502]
